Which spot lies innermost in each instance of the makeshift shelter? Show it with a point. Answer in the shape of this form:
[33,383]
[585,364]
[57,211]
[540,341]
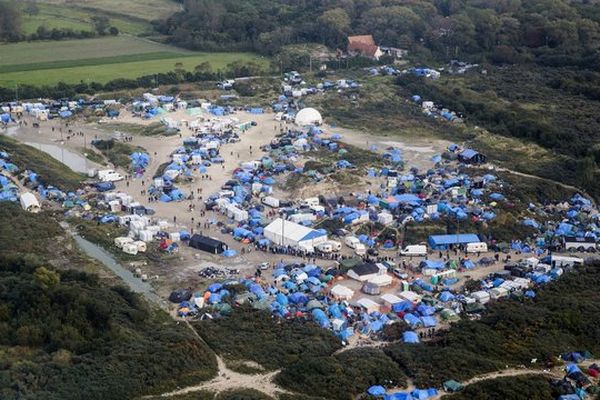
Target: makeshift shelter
[368,305]
[342,292]
[364,272]
[371,289]
[470,156]
[207,244]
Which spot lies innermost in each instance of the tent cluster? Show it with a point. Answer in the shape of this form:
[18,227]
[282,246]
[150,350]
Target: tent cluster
[63,109]
[417,394]
[139,162]
[577,219]
[150,106]
[430,109]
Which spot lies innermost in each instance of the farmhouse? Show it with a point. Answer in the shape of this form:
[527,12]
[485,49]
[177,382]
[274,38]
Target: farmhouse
[364,45]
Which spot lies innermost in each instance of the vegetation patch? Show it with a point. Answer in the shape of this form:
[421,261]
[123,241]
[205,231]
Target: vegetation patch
[50,171]
[153,129]
[270,342]
[531,387]
[75,334]
[118,153]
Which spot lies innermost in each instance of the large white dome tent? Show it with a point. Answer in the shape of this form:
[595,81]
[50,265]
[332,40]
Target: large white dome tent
[308,116]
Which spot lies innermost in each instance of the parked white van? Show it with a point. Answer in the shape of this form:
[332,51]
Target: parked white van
[351,241]
[414,250]
[109,175]
[478,247]
[360,249]
[325,247]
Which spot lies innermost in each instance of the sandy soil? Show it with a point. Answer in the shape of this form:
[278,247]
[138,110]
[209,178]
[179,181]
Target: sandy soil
[183,268]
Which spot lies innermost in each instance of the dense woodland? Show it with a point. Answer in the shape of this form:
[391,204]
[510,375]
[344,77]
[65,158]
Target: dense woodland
[503,31]
[65,334]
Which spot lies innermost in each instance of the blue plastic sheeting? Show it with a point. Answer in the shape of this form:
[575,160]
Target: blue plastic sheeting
[412,320]
[530,294]
[572,368]
[398,396]
[423,394]
[298,298]
[215,287]
[446,296]
[468,264]
[376,390]
[409,199]
[229,253]
[410,337]
[430,264]
[429,322]
[402,306]
[5,118]
[425,310]
[320,318]
[497,196]
[442,242]
[281,299]
[531,223]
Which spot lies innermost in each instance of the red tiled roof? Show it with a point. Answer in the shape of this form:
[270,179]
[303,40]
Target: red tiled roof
[364,44]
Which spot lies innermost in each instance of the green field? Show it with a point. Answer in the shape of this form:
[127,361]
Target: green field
[138,9]
[48,51]
[100,60]
[61,16]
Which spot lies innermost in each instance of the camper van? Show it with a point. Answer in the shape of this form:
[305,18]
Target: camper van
[419,250]
[330,246]
[311,202]
[351,241]
[478,247]
[360,249]
[270,201]
[109,175]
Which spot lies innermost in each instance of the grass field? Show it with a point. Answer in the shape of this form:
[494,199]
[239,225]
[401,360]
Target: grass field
[138,9]
[100,60]
[57,15]
[68,50]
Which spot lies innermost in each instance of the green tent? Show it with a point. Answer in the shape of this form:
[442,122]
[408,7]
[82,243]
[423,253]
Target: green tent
[452,386]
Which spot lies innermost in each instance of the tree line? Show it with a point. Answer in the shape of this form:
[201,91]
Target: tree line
[504,31]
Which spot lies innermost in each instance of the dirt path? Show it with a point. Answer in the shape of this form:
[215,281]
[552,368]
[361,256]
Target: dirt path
[564,185]
[227,379]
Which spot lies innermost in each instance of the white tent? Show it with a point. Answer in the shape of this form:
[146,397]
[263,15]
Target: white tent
[368,304]
[390,299]
[342,292]
[381,280]
[29,202]
[288,233]
[308,116]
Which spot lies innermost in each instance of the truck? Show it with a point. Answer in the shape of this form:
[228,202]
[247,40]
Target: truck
[477,247]
[580,244]
[109,175]
[419,250]
[270,201]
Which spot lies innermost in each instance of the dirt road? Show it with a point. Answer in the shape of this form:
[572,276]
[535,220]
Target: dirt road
[227,379]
